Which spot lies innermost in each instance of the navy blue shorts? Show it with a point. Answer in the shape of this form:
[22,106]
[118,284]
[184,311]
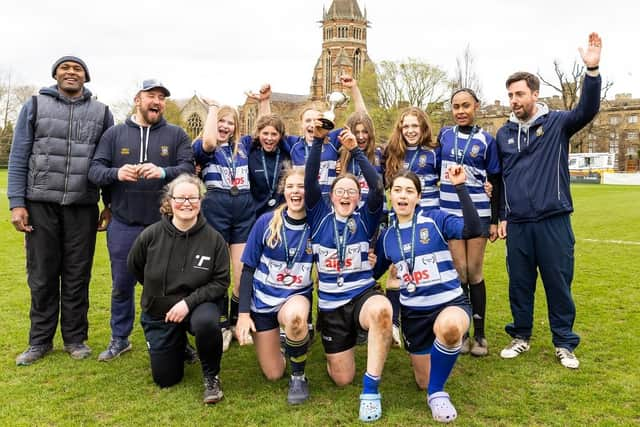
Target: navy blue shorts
[417,326]
[339,328]
[231,216]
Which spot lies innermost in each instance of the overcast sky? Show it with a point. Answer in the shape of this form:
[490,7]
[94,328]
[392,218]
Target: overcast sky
[220,48]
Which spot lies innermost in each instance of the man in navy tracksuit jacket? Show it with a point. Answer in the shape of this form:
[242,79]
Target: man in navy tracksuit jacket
[134,161]
[536,204]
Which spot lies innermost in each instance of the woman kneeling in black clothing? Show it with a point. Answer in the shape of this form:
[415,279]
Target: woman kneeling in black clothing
[183,266]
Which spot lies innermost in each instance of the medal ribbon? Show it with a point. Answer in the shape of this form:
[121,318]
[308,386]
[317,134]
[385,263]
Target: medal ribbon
[341,241]
[455,144]
[291,259]
[231,163]
[410,264]
[272,184]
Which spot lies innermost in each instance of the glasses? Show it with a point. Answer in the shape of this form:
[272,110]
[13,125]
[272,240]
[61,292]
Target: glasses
[180,200]
[341,192]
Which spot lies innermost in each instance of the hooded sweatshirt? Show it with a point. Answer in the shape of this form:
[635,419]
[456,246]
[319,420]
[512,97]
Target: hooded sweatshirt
[534,157]
[173,265]
[163,144]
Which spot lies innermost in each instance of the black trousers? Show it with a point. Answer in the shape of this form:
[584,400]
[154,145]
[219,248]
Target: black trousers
[166,342]
[59,259]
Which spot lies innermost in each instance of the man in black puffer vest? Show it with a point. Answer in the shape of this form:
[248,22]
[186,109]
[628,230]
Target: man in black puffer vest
[55,205]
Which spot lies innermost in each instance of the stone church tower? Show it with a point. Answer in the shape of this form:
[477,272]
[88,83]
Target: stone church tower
[344,50]
[344,47]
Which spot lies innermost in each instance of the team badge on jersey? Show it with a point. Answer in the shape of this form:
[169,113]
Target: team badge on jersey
[539,132]
[124,151]
[422,160]
[475,150]
[309,250]
[351,223]
[511,141]
[424,236]
[164,150]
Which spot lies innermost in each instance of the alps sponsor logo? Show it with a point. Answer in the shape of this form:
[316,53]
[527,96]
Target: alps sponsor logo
[202,262]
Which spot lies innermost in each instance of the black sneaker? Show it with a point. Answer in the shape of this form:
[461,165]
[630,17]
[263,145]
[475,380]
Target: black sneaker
[212,390]
[33,353]
[78,350]
[116,347]
[298,390]
[190,354]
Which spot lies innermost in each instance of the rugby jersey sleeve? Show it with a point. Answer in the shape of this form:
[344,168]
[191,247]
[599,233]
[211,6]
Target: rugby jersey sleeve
[200,155]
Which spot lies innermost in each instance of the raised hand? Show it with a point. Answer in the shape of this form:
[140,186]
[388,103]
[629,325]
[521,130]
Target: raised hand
[591,56]
[347,139]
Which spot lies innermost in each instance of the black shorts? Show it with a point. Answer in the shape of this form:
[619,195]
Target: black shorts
[339,328]
[417,326]
[485,223]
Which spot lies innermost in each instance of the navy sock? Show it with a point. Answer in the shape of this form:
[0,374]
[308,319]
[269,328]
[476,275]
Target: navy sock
[442,361]
[478,293]
[394,297]
[370,383]
[296,351]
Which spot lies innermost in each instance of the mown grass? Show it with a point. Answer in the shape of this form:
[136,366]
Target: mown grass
[531,390]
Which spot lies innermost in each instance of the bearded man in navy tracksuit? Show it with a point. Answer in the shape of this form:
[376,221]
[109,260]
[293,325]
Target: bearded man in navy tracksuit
[134,161]
[536,208]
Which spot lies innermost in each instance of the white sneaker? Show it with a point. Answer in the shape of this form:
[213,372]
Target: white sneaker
[514,349]
[567,358]
[227,336]
[395,337]
[466,345]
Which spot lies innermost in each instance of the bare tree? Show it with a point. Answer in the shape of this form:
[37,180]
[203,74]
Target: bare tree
[12,97]
[569,86]
[465,74]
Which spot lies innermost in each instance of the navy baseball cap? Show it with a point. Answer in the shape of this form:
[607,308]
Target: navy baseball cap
[148,84]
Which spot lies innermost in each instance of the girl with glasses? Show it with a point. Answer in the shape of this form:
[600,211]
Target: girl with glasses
[348,299]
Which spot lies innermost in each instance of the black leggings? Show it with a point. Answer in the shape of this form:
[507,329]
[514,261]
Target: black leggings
[167,343]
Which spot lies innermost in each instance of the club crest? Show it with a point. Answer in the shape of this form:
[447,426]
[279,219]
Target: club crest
[475,150]
[539,132]
[422,160]
[164,150]
[124,151]
[424,236]
[308,250]
[351,224]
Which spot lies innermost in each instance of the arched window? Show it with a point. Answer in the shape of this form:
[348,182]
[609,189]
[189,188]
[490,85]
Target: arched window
[194,125]
[250,121]
[357,64]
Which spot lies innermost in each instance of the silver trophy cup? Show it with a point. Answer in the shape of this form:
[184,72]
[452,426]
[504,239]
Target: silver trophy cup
[335,100]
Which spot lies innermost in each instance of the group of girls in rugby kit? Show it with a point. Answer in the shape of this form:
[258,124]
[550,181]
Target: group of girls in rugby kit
[279,220]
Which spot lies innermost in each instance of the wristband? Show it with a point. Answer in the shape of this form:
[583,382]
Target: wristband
[163,173]
[594,68]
